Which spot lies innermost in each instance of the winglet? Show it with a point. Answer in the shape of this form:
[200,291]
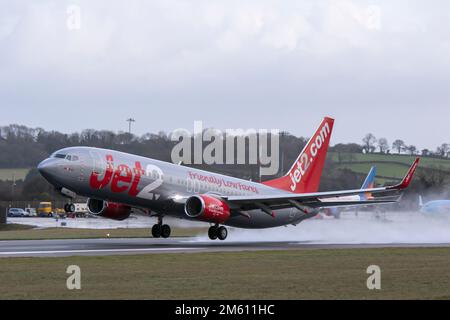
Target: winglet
[409,176]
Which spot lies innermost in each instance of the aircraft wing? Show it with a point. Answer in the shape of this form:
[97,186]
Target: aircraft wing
[304,201]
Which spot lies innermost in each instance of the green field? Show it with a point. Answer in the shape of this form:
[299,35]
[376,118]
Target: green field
[391,170]
[426,162]
[390,167]
[299,274]
[18,173]
[22,232]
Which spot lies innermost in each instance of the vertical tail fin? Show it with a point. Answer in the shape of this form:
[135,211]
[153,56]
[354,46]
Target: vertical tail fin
[304,175]
[369,183]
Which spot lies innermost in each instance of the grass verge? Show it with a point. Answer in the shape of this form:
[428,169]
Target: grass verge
[22,232]
[406,273]
[14,227]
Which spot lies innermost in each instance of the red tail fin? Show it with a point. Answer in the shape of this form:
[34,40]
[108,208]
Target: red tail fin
[304,176]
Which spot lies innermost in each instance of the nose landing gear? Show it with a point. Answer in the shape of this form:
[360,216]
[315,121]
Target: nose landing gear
[216,232]
[161,230]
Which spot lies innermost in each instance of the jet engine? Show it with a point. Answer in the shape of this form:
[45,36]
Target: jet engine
[207,208]
[110,210]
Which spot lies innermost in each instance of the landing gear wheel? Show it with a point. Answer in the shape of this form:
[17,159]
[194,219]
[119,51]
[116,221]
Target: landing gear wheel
[213,233]
[165,231]
[222,233]
[69,208]
[156,231]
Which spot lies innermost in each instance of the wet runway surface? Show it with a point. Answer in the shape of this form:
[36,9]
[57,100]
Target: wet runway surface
[100,247]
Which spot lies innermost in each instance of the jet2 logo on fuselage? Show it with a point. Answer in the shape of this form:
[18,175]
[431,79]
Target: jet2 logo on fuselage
[123,178]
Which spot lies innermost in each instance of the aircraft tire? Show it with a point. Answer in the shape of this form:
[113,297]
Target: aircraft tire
[156,231]
[213,233]
[165,231]
[69,208]
[222,233]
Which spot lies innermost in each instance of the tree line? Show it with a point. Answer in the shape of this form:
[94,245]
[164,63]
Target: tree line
[21,146]
[371,144]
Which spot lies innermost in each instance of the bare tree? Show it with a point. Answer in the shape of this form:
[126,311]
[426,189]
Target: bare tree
[369,142]
[398,145]
[443,150]
[383,145]
[411,149]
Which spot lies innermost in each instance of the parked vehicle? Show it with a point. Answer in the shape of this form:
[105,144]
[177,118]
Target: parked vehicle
[60,213]
[17,212]
[81,209]
[76,210]
[45,209]
[31,212]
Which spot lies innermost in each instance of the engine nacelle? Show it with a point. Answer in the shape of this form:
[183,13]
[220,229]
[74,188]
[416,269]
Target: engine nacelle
[207,208]
[110,210]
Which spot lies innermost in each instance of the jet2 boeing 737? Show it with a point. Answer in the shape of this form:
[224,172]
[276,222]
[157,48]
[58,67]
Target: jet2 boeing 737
[115,182]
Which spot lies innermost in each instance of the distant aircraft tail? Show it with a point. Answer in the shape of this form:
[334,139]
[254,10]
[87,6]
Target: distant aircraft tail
[304,175]
[369,183]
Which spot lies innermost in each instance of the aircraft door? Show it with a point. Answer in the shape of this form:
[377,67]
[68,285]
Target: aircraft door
[98,164]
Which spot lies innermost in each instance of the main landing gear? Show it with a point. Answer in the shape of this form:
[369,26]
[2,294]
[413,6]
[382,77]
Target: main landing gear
[161,230]
[216,232]
[69,208]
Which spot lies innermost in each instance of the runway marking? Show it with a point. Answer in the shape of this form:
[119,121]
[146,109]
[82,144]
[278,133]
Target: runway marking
[94,250]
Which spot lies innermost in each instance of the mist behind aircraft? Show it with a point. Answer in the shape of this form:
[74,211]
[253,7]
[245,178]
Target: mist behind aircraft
[391,227]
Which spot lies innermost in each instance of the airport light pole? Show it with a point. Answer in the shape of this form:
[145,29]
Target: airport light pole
[13,187]
[130,121]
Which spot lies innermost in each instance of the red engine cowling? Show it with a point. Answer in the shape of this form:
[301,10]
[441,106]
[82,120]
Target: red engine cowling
[207,208]
[110,210]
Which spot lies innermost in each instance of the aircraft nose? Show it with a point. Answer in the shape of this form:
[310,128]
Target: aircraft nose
[47,168]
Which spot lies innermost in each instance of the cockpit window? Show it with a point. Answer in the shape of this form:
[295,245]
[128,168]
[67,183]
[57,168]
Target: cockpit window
[68,157]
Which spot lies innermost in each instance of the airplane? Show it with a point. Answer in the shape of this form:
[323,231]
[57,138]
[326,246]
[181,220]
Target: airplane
[368,183]
[115,182]
[435,207]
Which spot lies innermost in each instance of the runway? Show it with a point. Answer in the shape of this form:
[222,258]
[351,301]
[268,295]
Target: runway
[101,247]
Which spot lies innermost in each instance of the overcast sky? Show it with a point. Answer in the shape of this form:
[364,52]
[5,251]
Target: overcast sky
[376,66]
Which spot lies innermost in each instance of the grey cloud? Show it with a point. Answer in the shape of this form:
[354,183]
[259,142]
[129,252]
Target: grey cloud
[377,66]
